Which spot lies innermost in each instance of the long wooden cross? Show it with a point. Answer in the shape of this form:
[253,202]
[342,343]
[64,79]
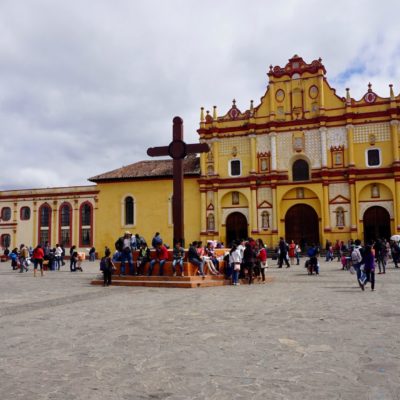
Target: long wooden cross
[178,150]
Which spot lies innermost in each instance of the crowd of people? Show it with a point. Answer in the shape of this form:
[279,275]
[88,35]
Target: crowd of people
[245,261]
[45,257]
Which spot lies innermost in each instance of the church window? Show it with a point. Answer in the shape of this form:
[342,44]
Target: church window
[44,224]
[373,158]
[340,217]
[210,222]
[235,168]
[5,240]
[265,220]
[300,170]
[65,218]
[6,213]
[25,213]
[129,211]
[86,224]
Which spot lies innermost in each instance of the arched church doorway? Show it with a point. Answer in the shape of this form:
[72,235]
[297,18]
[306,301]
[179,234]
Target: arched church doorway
[236,227]
[376,224]
[301,225]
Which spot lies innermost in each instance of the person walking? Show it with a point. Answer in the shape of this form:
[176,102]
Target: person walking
[38,256]
[283,252]
[369,267]
[23,257]
[107,267]
[292,252]
[262,257]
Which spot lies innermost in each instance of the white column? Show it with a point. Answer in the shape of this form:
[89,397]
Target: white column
[273,151]
[324,159]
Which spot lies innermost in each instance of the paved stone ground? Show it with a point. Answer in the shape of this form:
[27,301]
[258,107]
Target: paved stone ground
[301,337]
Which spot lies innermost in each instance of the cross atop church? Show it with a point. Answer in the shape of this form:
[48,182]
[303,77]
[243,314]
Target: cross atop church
[178,150]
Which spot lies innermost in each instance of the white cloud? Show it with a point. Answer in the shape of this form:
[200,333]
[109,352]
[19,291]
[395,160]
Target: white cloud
[86,87]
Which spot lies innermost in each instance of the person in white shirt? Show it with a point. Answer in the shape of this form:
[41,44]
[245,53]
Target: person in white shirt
[235,259]
[57,255]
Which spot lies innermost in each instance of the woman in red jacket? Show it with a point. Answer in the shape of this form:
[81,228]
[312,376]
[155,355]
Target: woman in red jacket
[38,255]
[262,257]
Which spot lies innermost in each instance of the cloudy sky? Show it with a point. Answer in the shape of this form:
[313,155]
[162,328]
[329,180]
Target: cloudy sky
[86,86]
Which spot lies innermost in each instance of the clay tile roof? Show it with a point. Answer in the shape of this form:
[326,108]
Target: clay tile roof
[150,168]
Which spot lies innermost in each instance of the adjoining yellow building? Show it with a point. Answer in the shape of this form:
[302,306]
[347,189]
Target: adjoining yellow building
[304,163]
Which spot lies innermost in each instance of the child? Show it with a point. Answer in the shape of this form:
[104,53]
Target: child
[344,261]
[79,262]
[178,254]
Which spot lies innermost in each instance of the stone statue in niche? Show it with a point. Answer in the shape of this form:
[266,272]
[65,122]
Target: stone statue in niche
[235,198]
[210,157]
[340,217]
[210,222]
[300,193]
[375,191]
[265,220]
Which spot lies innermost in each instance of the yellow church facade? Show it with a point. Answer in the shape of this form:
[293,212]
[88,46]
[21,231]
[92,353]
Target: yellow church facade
[304,163]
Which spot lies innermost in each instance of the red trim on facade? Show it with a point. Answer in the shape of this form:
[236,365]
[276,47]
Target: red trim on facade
[51,195]
[91,224]
[65,203]
[40,221]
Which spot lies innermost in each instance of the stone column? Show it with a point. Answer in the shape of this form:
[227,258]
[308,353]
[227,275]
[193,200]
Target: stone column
[275,210]
[203,207]
[273,151]
[215,149]
[350,143]
[321,94]
[394,126]
[254,212]
[353,202]
[253,155]
[324,159]
[54,224]
[14,219]
[397,205]
[325,199]
[216,211]
[35,236]
[75,226]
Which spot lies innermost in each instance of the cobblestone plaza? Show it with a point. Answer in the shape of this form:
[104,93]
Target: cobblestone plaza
[300,337]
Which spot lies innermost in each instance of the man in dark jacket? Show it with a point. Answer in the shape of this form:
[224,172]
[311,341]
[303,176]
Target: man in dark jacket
[195,259]
[283,249]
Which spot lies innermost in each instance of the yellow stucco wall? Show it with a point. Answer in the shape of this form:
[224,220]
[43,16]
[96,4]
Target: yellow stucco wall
[152,211]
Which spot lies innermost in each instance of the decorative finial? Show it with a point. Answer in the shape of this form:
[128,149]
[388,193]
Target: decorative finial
[202,114]
[214,112]
[391,92]
[369,87]
[270,67]
[251,105]
[234,102]
[348,98]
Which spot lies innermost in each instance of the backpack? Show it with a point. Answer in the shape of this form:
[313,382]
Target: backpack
[119,244]
[103,264]
[356,256]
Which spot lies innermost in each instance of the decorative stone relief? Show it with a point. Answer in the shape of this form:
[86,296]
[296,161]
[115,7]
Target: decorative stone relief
[227,211]
[333,214]
[263,144]
[313,147]
[242,145]
[264,194]
[337,137]
[387,205]
[284,150]
[339,189]
[363,133]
